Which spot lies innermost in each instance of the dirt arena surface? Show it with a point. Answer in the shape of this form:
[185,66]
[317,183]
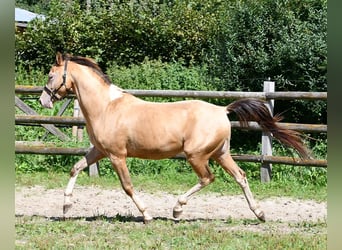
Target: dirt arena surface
[93,201]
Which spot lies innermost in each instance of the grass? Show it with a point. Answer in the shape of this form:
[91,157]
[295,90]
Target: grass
[125,232]
[121,233]
[177,183]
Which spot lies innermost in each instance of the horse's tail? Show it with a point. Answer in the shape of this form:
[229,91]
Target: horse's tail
[256,110]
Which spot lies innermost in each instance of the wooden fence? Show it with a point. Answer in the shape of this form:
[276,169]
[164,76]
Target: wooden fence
[266,159]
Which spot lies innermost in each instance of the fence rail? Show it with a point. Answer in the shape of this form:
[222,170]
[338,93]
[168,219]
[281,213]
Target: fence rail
[79,121]
[45,149]
[288,95]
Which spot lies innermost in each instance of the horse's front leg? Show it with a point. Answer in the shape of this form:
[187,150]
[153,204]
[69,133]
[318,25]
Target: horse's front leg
[91,157]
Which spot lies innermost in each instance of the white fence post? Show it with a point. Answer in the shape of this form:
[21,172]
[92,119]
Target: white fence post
[266,139]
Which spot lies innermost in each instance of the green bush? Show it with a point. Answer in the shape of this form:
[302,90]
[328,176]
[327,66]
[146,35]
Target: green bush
[285,41]
[158,75]
[125,32]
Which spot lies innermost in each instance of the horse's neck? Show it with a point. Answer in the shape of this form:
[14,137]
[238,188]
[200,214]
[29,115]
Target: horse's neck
[94,96]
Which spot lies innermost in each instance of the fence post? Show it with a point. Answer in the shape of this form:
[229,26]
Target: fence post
[78,132]
[94,168]
[76,114]
[266,139]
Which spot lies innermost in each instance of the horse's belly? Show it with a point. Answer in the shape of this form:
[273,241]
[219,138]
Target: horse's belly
[155,151]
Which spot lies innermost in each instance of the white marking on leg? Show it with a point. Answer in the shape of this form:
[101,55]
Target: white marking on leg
[81,164]
[68,193]
[70,186]
[250,199]
[183,199]
[142,208]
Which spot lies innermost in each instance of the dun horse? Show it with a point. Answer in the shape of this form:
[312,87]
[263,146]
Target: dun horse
[120,126]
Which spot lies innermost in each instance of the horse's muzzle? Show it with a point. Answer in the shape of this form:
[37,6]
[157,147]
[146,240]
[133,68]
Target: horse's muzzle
[45,100]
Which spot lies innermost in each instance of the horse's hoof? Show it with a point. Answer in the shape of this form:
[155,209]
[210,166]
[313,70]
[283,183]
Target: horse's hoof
[261,216]
[147,220]
[66,208]
[147,217]
[177,213]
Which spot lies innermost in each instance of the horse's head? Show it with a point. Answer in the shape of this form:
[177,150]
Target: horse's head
[59,84]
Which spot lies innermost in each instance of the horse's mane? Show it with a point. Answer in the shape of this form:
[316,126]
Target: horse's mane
[89,63]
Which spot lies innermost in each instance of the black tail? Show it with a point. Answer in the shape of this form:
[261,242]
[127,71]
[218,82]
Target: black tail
[256,110]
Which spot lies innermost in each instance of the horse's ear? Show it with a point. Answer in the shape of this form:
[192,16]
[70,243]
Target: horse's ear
[59,58]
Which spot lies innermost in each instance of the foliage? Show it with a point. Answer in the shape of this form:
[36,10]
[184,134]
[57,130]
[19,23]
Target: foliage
[37,6]
[125,32]
[34,77]
[155,74]
[285,41]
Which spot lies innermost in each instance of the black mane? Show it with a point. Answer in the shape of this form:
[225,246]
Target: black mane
[89,63]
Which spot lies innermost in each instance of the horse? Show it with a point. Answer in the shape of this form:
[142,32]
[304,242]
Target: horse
[121,125]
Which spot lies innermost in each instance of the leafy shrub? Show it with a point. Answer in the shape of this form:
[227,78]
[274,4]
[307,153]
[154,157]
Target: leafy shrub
[155,74]
[125,32]
[285,41]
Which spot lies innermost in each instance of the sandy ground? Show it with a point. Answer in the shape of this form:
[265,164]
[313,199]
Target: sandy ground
[93,201]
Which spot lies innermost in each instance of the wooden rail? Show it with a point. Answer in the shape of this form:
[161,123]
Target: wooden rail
[287,95]
[79,121]
[46,149]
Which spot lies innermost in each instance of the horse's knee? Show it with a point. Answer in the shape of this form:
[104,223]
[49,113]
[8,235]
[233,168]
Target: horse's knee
[207,180]
[80,165]
[242,181]
[73,172]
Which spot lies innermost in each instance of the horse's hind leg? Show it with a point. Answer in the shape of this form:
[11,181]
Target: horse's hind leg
[120,167]
[205,178]
[91,157]
[229,165]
